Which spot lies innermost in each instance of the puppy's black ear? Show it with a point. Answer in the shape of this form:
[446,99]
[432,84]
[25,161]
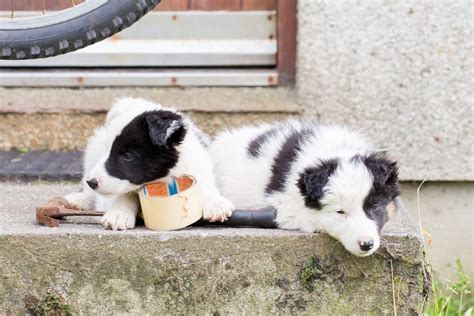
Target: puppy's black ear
[165,128]
[313,180]
[385,173]
[383,170]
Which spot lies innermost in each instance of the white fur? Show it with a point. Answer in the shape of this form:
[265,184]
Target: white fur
[243,178]
[116,197]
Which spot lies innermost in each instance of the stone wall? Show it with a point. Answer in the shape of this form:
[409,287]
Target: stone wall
[401,71]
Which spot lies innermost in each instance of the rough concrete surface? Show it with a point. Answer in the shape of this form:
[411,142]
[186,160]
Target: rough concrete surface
[62,100]
[401,71]
[87,270]
[55,131]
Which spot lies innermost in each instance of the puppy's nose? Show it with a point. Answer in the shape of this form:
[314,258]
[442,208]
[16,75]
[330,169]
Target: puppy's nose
[366,245]
[93,183]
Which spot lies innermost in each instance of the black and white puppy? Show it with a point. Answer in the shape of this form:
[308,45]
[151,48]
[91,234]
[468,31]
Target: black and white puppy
[318,177]
[141,142]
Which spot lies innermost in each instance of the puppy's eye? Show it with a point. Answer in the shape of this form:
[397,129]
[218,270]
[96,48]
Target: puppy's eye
[341,212]
[127,156]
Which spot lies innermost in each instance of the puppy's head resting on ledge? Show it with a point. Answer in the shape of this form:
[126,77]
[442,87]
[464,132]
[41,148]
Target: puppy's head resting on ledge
[354,198]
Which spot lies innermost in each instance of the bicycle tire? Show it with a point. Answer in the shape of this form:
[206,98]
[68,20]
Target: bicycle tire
[68,30]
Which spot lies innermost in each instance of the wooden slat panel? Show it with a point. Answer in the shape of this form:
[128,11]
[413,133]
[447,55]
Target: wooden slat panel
[193,25]
[202,25]
[186,38]
[212,5]
[36,5]
[259,4]
[286,40]
[169,77]
[162,53]
[172,5]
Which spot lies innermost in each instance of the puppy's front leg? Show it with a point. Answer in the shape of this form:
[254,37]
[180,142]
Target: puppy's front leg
[84,200]
[215,206]
[121,212]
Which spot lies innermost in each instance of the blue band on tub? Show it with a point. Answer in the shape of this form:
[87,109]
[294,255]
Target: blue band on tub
[145,191]
[173,187]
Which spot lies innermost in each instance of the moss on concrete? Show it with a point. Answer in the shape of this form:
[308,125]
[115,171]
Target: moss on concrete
[53,304]
[311,271]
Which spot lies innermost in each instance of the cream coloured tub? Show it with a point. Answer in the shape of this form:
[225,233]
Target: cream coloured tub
[170,206]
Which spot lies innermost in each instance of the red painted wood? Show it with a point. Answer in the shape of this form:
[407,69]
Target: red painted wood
[173,5]
[259,5]
[165,5]
[36,5]
[212,5]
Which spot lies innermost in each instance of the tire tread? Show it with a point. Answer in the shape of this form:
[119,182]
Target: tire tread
[65,41]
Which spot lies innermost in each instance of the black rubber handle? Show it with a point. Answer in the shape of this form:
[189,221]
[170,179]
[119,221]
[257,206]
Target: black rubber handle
[262,218]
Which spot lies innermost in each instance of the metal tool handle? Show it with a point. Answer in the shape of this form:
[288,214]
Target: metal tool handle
[262,218]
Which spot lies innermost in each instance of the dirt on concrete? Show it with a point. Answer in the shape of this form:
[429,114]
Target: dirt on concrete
[70,131]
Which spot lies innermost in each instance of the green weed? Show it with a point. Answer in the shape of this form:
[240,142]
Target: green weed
[452,298]
[53,304]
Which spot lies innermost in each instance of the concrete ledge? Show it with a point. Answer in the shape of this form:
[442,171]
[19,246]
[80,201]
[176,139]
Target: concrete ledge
[61,100]
[88,270]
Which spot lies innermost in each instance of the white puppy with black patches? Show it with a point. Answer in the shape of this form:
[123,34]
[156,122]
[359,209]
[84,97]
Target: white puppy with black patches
[141,142]
[318,177]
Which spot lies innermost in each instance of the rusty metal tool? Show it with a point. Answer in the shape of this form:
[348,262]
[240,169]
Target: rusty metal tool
[55,209]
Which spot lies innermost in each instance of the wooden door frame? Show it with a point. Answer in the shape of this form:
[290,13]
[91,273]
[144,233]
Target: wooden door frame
[287,32]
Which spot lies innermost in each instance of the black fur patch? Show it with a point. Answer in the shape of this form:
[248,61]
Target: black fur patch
[285,157]
[385,187]
[146,150]
[164,127]
[203,138]
[254,146]
[313,180]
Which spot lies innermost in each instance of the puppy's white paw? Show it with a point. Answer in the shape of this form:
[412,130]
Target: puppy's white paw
[217,209]
[118,220]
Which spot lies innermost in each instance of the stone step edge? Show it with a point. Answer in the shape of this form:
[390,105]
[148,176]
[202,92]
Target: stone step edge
[212,100]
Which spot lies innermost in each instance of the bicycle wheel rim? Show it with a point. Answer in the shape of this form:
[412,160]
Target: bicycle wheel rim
[40,21]
[71,29]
